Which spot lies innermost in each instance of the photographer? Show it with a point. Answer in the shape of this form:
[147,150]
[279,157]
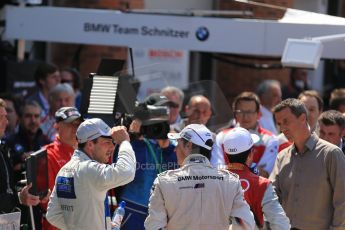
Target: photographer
[154,154]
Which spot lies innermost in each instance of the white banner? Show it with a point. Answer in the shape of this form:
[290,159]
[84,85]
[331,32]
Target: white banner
[108,27]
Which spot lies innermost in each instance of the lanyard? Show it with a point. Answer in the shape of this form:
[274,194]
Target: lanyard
[152,153]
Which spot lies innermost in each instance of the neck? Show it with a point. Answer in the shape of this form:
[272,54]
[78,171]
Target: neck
[87,152]
[269,108]
[300,142]
[71,143]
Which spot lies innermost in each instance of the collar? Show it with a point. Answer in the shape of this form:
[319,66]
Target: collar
[81,155]
[59,142]
[256,130]
[25,134]
[309,145]
[237,166]
[196,159]
[65,147]
[178,120]
[341,144]
[45,102]
[266,111]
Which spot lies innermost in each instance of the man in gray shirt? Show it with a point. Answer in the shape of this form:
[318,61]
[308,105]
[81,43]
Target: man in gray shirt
[309,176]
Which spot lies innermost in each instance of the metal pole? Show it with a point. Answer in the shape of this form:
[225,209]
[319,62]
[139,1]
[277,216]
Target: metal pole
[32,218]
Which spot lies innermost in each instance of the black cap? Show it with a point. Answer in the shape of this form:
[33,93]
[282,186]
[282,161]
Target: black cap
[67,114]
[159,100]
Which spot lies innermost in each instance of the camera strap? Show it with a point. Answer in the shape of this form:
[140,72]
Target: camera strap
[153,154]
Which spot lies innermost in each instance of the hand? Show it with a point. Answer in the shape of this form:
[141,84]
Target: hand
[27,154]
[262,171]
[26,198]
[119,134]
[46,198]
[135,126]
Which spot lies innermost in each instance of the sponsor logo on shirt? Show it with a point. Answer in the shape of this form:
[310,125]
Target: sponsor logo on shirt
[182,178]
[65,187]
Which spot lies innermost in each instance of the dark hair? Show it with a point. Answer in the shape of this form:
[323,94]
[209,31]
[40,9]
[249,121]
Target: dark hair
[293,73]
[246,96]
[239,158]
[15,100]
[81,146]
[332,117]
[76,76]
[201,150]
[28,103]
[265,86]
[296,107]
[337,98]
[42,71]
[315,94]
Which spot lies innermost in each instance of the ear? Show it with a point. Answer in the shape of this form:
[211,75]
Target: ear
[259,113]
[186,109]
[56,126]
[250,158]
[89,148]
[209,112]
[303,118]
[343,133]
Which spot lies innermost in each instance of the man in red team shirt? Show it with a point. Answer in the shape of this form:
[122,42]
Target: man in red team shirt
[246,108]
[60,151]
[238,146]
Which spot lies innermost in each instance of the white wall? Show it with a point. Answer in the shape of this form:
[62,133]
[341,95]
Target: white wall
[318,6]
[178,4]
[315,77]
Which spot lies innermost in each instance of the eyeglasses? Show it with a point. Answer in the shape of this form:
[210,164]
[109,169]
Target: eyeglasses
[243,113]
[67,81]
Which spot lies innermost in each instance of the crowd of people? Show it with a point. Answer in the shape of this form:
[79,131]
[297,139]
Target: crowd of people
[278,164]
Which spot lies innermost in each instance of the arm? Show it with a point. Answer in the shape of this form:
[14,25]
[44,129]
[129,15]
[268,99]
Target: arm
[26,198]
[105,177]
[217,156]
[241,211]
[273,211]
[54,213]
[274,177]
[270,155]
[157,218]
[336,167]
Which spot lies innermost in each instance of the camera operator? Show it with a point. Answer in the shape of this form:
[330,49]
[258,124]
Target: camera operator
[154,154]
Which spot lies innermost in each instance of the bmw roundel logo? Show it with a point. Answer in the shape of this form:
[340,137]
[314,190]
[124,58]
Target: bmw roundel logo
[202,33]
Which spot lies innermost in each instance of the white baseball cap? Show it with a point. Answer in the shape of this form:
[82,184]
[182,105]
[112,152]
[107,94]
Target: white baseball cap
[196,133]
[67,114]
[239,140]
[91,129]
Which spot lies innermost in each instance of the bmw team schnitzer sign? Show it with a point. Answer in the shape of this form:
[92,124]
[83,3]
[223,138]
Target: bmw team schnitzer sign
[190,33]
[108,27]
[143,31]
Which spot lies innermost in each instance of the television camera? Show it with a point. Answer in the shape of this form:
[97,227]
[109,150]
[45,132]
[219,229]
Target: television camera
[154,120]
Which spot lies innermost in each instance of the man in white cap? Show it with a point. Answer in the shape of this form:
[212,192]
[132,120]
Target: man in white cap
[197,196]
[60,151]
[258,191]
[78,198]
